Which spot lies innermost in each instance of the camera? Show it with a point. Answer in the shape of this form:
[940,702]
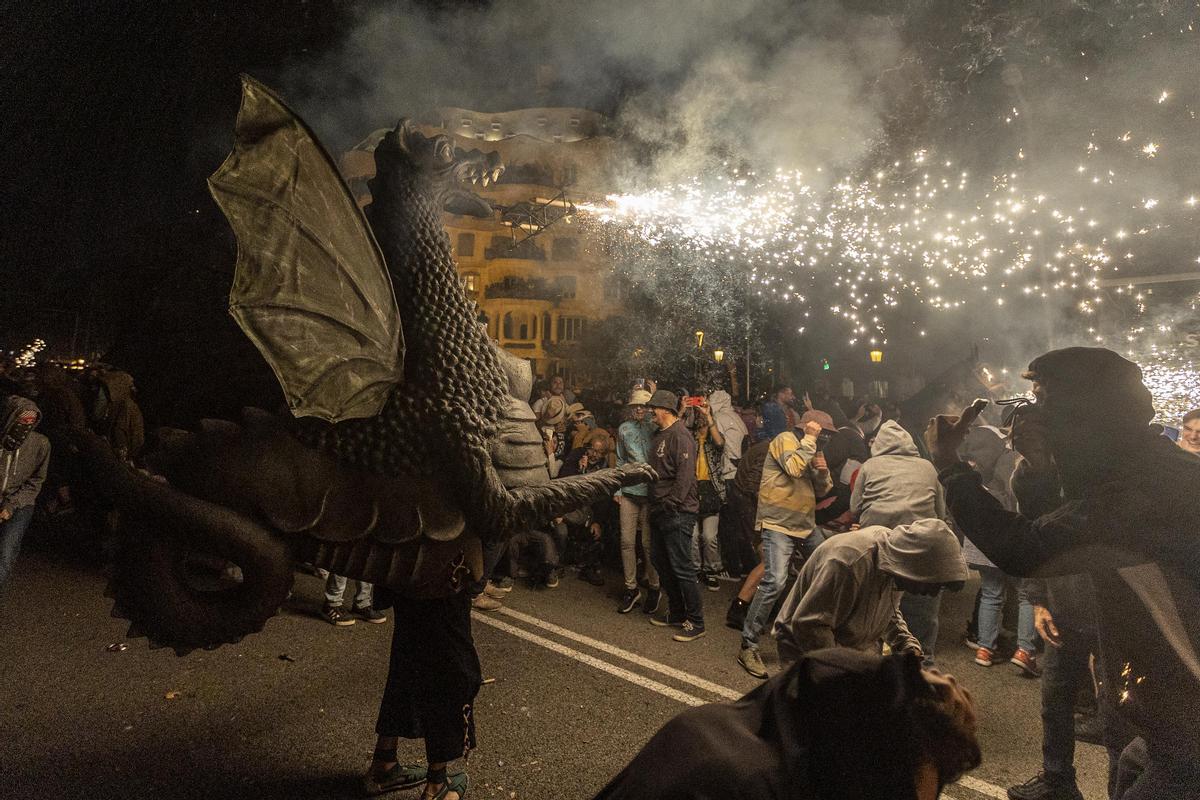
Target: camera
[823,439]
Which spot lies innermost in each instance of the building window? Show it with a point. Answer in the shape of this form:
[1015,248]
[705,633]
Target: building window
[614,288]
[571,329]
[565,286]
[520,326]
[466,245]
[470,282]
[565,248]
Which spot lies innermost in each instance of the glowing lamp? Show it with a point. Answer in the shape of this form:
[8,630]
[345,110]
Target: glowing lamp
[876,356]
[699,339]
[719,355]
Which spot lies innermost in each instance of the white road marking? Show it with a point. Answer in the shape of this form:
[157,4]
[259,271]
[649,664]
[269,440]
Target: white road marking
[613,650]
[591,661]
[967,782]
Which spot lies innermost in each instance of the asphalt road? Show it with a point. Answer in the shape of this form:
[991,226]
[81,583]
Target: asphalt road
[290,712]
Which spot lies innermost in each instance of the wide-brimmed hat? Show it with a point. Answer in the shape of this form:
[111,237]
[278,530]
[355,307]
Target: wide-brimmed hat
[576,408]
[664,399]
[555,410]
[639,397]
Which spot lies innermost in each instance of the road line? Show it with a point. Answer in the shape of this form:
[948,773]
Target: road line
[613,650]
[591,661]
[967,782]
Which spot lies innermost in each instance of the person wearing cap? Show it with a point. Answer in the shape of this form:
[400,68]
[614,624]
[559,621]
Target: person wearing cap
[794,475]
[674,504]
[552,421]
[1129,518]
[633,447]
[848,592]
[896,486]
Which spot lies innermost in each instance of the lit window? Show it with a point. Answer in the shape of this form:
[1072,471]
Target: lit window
[471,281]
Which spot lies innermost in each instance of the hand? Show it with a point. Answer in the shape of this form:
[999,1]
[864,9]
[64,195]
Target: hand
[819,462]
[812,429]
[706,411]
[855,526]
[5,514]
[945,434]
[651,386]
[583,462]
[1043,620]
[808,406]
[548,443]
[595,527]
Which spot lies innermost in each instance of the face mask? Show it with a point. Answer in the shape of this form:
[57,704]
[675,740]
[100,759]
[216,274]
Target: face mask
[18,432]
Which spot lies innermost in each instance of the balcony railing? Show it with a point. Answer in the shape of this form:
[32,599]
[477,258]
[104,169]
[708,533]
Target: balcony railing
[523,289]
[524,249]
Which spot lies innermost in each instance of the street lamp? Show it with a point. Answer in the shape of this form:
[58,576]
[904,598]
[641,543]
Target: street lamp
[699,340]
[876,356]
[718,355]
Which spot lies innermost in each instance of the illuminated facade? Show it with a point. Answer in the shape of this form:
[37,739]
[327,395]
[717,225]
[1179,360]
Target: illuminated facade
[537,278]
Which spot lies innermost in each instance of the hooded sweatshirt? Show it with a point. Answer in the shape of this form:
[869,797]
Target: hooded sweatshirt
[733,431]
[845,595]
[22,471]
[896,486]
[798,736]
[123,424]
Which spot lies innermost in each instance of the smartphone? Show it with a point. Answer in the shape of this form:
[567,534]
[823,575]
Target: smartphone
[823,439]
[690,402]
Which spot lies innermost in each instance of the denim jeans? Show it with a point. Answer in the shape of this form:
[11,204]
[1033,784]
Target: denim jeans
[335,590]
[672,543]
[921,613]
[1065,671]
[635,512]
[12,531]
[706,544]
[994,589]
[777,549]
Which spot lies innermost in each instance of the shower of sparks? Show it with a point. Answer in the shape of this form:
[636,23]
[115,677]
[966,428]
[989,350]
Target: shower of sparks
[28,355]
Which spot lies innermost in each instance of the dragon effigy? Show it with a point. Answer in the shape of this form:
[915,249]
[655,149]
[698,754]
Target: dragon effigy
[410,441]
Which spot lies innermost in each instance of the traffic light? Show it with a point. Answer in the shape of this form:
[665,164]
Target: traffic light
[824,365]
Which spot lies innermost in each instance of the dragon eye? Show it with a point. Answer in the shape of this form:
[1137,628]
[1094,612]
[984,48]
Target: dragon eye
[445,151]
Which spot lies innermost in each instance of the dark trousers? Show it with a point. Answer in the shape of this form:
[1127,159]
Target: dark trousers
[1148,772]
[1065,671]
[433,676]
[737,522]
[672,556]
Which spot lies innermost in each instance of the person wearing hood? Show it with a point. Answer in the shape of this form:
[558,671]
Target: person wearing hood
[24,458]
[896,486]
[734,431]
[838,724]
[117,415]
[848,592]
[1129,518]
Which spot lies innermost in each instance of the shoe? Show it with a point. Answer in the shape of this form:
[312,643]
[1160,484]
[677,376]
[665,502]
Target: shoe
[336,615]
[971,642]
[724,575]
[735,617]
[690,632]
[711,582]
[492,590]
[552,580]
[400,776]
[1027,662]
[591,575]
[752,662]
[369,614]
[1039,787]
[652,602]
[629,599]
[482,602]
[985,657]
[666,622]
[456,782]
[504,584]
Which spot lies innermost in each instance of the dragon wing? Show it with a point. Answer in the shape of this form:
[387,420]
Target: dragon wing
[311,288]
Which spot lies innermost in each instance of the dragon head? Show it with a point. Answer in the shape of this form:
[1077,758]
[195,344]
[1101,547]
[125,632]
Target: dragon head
[442,170]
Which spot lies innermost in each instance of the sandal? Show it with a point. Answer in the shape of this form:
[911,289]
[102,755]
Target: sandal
[455,782]
[400,776]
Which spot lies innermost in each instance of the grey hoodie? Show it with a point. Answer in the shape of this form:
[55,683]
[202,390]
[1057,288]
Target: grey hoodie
[732,428]
[22,471]
[845,595]
[896,486]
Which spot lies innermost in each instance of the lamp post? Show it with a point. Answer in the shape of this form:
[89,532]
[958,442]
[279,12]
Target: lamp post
[718,355]
[876,356]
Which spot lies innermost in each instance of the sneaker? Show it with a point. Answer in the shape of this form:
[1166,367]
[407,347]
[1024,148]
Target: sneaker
[666,622]
[629,599]
[724,575]
[504,584]
[752,662]
[591,575]
[1027,662]
[690,632]
[482,602]
[985,657]
[369,614]
[652,602]
[336,615]
[735,617]
[1039,787]
[492,590]
[711,582]
[552,579]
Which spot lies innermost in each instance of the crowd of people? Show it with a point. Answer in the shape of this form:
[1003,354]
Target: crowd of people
[843,529]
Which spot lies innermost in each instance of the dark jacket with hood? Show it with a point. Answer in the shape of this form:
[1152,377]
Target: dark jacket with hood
[22,471]
[799,736]
[896,486]
[1130,517]
[122,422]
